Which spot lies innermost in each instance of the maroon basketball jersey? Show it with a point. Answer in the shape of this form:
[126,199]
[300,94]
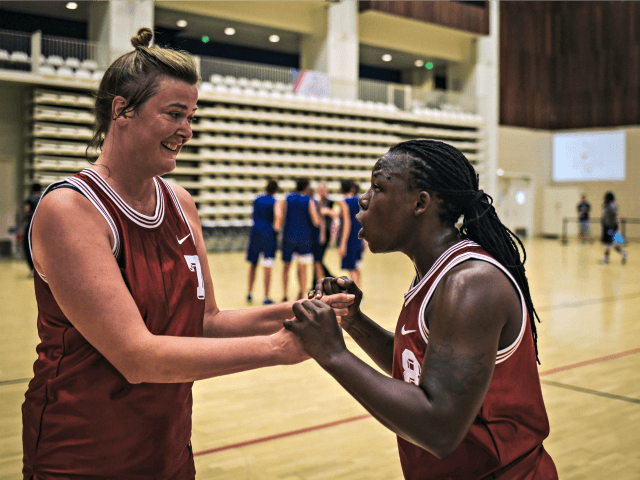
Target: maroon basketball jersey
[80,416]
[505,440]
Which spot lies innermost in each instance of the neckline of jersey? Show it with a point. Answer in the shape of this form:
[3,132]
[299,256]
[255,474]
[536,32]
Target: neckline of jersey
[146,221]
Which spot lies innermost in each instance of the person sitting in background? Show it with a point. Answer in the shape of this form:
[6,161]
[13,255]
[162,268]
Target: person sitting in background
[610,235]
[263,239]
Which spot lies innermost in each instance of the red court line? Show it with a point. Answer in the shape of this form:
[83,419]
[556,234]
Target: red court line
[590,362]
[361,417]
[281,435]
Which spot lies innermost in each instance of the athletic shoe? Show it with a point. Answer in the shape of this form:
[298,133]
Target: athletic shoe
[624,257]
[249,298]
[267,301]
[604,260]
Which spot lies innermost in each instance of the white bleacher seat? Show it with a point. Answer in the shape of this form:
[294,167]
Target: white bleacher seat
[89,64]
[83,74]
[72,62]
[275,94]
[257,84]
[249,91]
[221,88]
[243,82]
[47,70]
[19,57]
[97,75]
[206,87]
[267,85]
[64,72]
[215,78]
[230,80]
[55,60]
[4,55]
[235,90]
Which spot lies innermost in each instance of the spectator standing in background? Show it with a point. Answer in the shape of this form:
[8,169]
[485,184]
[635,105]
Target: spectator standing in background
[610,235]
[584,227]
[30,205]
[263,238]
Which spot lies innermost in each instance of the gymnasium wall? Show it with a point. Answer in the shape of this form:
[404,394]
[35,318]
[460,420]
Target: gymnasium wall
[12,125]
[569,64]
[529,150]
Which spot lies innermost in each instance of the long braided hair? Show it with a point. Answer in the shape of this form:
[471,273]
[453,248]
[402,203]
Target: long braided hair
[443,169]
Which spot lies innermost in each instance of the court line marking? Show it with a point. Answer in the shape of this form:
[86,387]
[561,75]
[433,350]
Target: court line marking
[592,392]
[15,381]
[281,435]
[590,301]
[590,362]
[361,417]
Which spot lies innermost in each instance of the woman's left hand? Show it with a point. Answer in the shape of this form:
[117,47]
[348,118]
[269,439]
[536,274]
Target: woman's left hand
[317,328]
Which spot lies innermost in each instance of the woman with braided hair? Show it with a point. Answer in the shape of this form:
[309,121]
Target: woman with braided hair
[127,316]
[464,396]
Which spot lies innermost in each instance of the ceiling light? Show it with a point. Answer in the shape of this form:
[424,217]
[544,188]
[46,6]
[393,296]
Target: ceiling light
[229,31]
[418,63]
[386,57]
[274,38]
[205,39]
[428,65]
[181,23]
[72,5]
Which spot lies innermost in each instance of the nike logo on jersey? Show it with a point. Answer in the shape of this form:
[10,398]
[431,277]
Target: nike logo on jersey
[181,241]
[404,332]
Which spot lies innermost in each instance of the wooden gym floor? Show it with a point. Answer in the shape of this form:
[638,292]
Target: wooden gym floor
[293,423]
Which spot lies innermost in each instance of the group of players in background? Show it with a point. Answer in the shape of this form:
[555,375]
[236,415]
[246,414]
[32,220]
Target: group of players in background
[302,225]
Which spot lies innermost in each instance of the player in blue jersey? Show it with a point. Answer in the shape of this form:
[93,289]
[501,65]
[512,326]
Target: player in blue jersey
[263,239]
[298,214]
[351,247]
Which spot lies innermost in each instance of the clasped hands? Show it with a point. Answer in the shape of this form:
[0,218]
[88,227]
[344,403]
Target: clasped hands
[316,319]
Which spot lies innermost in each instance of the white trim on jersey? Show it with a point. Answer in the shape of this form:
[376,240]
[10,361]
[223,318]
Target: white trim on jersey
[176,202]
[501,355]
[414,289]
[136,217]
[92,197]
[95,200]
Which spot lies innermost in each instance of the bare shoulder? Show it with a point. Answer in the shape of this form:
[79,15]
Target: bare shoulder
[477,294]
[67,206]
[185,199]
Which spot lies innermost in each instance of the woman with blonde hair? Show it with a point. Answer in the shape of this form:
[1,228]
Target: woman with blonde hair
[125,293]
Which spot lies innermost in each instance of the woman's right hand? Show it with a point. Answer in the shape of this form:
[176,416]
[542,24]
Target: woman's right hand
[331,286]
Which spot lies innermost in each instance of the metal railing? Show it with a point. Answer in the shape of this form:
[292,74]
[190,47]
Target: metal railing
[216,66]
[564,238]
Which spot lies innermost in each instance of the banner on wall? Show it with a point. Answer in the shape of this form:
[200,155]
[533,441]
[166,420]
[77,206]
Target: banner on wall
[310,83]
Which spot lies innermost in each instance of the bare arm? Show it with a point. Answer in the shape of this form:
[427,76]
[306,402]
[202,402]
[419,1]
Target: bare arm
[235,323]
[315,216]
[71,244]
[376,342]
[466,317]
[346,227]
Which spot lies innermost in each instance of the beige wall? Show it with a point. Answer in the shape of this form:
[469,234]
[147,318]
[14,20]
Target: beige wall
[523,150]
[527,150]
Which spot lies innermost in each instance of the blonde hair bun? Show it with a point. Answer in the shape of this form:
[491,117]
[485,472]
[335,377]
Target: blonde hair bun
[143,38]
